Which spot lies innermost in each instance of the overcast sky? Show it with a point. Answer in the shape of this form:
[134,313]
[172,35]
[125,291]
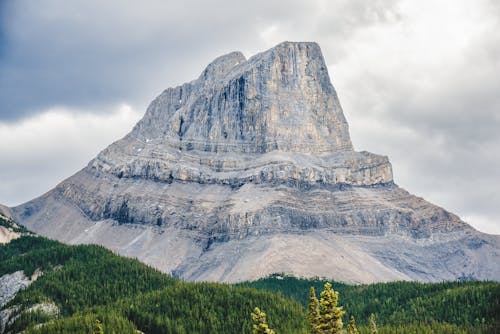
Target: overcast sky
[419,81]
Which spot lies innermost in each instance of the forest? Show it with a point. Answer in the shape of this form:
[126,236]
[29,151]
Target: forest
[97,291]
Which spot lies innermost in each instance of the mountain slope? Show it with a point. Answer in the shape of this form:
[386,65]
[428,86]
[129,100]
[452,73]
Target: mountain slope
[78,285]
[249,170]
[401,303]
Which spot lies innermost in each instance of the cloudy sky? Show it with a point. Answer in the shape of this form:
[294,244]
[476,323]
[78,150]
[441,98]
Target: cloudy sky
[419,81]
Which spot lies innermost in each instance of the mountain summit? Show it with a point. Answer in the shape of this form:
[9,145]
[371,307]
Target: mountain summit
[249,170]
[281,99]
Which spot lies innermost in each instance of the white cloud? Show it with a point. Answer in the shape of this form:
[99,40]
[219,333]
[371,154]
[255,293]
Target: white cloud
[423,90]
[484,223]
[418,81]
[40,151]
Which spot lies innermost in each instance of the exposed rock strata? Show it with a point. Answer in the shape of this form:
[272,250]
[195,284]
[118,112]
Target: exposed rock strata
[250,170]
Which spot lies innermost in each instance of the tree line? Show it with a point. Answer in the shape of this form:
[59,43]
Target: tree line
[95,289]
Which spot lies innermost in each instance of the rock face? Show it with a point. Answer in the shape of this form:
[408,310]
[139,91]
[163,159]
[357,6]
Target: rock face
[250,170]
[10,285]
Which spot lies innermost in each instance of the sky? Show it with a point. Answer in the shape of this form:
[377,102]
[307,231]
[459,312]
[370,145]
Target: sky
[419,81]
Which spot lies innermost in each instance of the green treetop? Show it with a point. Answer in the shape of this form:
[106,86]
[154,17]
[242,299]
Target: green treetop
[313,316]
[351,328]
[373,324]
[260,326]
[330,314]
[98,329]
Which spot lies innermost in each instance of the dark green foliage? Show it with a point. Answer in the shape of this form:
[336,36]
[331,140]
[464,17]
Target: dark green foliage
[29,253]
[211,308]
[109,322]
[90,283]
[402,303]
[296,288]
[432,328]
[27,319]
[77,276]
[86,281]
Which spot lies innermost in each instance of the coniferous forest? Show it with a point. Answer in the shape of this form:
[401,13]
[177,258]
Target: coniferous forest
[97,291]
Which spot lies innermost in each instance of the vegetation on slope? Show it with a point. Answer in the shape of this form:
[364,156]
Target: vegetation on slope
[103,322]
[210,308]
[469,304]
[8,223]
[76,277]
[93,287]
[88,282]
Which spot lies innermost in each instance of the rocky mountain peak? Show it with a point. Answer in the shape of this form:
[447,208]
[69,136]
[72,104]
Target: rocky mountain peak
[249,170]
[281,99]
[274,118]
[221,66]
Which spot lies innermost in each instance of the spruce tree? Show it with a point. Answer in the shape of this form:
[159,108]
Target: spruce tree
[98,329]
[373,324]
[260,326]
[330,314]
[313,316]
[351,328]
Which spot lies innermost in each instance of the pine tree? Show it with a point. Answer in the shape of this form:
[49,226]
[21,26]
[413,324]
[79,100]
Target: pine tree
[98,329]
[313,316]
[373,324]
[351,328]
[260,326]
[330,314]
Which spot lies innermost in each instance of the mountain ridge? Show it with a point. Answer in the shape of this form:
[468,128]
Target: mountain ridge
[250,170]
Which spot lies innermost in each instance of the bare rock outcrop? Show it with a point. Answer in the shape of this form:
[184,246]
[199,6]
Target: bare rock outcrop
[250,170]
[10,285]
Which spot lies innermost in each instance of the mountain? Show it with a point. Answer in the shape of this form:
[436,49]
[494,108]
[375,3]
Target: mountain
[249,170]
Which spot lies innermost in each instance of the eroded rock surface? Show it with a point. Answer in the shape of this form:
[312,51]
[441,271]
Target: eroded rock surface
[10,284]
[250,170]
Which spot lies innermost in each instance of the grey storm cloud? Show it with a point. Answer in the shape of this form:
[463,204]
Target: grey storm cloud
[418,81]
[92,52]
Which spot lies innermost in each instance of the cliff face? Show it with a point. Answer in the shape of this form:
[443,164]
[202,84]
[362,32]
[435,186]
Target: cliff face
[250,170]
[281,99]
[273,118]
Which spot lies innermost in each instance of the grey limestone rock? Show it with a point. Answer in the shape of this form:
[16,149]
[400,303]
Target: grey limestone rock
[250,170]
[10,284]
